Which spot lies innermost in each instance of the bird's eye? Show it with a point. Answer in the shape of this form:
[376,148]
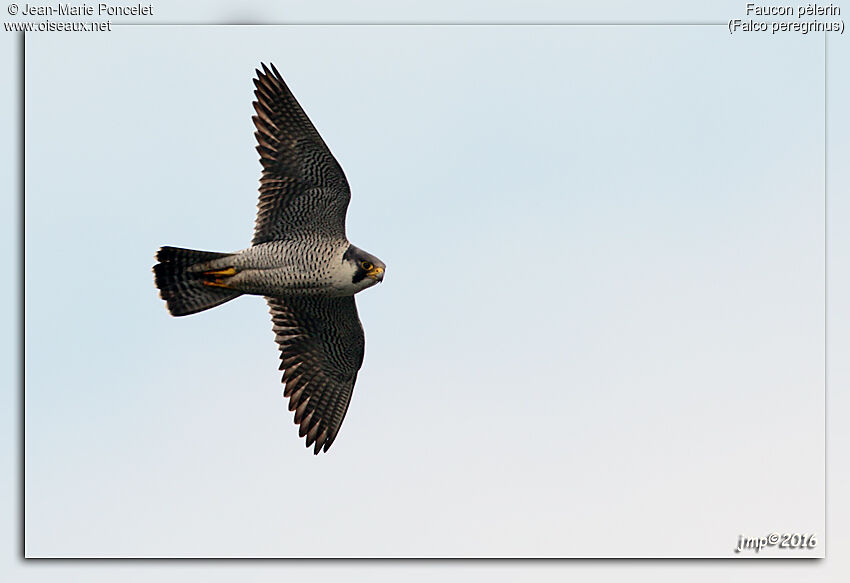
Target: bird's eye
[366,265]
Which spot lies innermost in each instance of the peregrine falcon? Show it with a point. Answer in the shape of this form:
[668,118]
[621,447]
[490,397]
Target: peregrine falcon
[299,259]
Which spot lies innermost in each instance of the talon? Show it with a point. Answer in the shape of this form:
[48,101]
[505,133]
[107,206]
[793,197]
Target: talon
[222,272]
[216,278]
[215,283]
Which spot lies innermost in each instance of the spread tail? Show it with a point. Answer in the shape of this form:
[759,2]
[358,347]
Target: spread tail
[188,291]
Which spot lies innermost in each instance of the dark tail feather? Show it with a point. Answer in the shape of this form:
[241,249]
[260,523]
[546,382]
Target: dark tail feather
[184,291]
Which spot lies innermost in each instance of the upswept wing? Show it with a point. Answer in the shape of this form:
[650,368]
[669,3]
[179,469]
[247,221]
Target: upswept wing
[302,186]
[321,349]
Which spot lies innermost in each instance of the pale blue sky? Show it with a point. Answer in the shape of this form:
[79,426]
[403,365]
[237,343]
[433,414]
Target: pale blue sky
[628,344]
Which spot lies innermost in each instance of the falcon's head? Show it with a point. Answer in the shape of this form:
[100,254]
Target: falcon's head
[366,270]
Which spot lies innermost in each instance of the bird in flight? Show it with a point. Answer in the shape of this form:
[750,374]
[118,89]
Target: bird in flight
[299,259]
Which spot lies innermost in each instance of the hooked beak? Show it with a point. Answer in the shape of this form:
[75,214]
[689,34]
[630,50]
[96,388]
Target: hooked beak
[376,273]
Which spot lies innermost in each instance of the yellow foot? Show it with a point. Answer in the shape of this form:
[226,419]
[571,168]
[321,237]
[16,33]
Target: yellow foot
[216,278]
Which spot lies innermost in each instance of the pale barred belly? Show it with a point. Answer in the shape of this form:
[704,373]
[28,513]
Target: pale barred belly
[281,268]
